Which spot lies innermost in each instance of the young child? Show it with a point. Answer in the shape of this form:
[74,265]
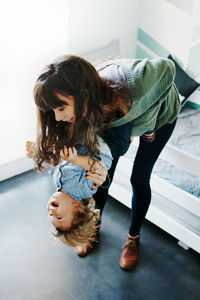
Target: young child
[71,207]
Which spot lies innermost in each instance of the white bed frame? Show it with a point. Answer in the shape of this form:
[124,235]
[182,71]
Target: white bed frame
[162,192]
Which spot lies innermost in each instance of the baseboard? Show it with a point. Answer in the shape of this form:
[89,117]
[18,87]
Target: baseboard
[15,167]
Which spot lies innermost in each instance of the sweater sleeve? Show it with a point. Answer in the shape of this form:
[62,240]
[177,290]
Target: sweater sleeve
[149,81]
[156,97]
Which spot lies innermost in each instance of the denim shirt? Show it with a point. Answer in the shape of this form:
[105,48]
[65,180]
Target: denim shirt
[72,179]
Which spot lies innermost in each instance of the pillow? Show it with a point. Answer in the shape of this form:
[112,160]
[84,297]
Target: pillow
[185,84]
[194,99]
[110,51]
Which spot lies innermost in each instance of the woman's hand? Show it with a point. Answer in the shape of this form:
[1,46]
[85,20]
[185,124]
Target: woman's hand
[99,176]
[69,154]
[30,149]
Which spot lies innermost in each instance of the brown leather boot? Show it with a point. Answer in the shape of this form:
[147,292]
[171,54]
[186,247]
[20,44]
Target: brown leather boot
[86,249]
[129,256]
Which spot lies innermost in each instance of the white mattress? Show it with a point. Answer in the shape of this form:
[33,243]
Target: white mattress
[186,136]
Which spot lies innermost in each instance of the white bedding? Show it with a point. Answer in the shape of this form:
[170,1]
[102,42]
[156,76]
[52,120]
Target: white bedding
[186,136]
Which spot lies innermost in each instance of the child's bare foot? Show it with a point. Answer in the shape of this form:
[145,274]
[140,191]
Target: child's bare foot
[30,149]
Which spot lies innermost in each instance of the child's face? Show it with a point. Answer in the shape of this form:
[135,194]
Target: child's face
[65,113]
[61,208]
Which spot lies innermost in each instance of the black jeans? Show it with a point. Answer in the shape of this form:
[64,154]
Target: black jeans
[145,158]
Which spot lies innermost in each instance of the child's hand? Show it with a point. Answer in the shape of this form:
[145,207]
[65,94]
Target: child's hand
[69,154]
[30,149]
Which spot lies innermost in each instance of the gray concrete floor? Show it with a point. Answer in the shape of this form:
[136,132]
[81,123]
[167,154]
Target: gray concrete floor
[33,266]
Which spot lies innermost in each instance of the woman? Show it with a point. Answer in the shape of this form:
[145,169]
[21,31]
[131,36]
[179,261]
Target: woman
[123,99]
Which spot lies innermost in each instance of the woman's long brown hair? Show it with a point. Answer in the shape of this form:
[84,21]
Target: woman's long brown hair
[95,99]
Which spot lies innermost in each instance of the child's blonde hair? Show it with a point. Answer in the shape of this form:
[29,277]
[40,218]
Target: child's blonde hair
[84,225]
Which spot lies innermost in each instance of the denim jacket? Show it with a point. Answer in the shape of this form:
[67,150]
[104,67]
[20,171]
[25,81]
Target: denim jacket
[72,179]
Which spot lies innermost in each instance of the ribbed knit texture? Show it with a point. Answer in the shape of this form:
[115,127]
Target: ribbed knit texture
[155,100]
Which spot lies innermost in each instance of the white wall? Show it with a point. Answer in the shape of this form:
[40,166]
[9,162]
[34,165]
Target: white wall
[32,34]
[174,25]
[166,25]
[93,24]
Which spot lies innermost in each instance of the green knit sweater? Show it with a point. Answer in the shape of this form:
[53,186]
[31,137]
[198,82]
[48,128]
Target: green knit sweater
[155,99]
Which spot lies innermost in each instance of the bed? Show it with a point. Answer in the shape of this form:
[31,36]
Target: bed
[175,182]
